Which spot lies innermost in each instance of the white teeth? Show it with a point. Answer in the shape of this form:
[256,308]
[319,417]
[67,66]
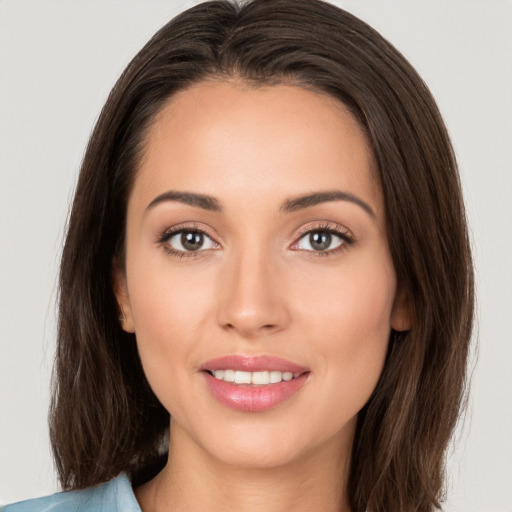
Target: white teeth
[261,378]
[276,377]
[242,377]
[257,378]
[229,375]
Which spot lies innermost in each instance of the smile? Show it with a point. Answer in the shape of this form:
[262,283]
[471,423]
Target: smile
[254,378]
[253,384]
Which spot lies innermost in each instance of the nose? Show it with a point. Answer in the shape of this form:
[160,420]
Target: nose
[252,300]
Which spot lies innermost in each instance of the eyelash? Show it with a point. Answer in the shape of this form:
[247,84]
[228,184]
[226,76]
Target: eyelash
[346,239]
[187,228]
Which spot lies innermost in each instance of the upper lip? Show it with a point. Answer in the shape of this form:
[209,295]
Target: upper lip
[252,364]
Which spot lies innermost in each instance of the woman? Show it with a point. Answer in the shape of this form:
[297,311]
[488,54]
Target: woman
[267,258]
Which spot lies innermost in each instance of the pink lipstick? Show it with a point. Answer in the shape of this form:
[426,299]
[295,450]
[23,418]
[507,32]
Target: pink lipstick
[253,384]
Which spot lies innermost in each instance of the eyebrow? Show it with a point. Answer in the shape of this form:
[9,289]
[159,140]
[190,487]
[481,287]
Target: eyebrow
[291,205]
[191,198]
[309,200]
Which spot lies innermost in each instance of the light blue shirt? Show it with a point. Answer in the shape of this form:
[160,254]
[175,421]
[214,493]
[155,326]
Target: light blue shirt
[114,496]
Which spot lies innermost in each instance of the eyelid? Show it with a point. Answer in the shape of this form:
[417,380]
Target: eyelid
[166,235]
[323,225]
[186,226]
[331,227]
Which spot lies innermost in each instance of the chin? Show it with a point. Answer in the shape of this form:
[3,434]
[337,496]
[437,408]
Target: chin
[260,446]
[257,455]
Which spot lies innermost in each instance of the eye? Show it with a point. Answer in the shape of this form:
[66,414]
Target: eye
[185,241]
[324,240]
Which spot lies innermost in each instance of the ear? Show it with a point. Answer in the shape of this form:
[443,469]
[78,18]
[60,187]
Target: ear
[401,316]
[122,297]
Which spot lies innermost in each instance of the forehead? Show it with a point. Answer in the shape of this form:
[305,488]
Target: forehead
[223,137]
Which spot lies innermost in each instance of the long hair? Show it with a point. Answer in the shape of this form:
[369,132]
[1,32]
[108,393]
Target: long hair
[104,418]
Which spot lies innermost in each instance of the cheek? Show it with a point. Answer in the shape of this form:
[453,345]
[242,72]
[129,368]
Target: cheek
[348,321]
[353,302]
[169,308]
[165,296]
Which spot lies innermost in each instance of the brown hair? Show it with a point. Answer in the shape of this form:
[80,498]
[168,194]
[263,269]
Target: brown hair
[104,417]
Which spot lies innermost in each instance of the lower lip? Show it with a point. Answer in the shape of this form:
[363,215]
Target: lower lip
[253,398]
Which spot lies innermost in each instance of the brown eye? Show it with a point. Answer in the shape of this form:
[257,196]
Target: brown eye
[190,241]
[321,240]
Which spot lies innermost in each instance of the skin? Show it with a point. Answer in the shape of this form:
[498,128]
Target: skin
[258,288]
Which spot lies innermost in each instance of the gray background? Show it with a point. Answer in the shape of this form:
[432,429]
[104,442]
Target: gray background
[58,60]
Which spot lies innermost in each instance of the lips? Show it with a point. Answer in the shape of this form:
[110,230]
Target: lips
[253,384]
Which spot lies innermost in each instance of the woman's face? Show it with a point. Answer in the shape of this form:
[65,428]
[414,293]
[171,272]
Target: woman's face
[256,250]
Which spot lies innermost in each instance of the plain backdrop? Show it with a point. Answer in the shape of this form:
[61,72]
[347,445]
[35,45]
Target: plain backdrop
[59,59]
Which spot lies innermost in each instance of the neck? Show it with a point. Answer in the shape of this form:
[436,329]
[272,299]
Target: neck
[193,480]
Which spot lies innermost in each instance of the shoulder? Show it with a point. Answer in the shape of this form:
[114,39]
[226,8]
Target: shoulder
[113,496]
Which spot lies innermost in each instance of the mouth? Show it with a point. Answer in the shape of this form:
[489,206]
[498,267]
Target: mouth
[253,384]
[262,378]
